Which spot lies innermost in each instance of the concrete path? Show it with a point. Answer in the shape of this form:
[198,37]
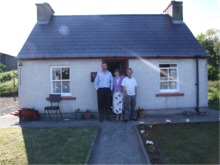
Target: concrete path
[159,116]
[117,142]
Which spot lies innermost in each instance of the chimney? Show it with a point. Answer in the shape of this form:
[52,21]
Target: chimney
[175,11]
[44,13]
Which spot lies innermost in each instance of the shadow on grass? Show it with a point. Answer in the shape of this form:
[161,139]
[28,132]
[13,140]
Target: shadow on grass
[63,145]
[58,145]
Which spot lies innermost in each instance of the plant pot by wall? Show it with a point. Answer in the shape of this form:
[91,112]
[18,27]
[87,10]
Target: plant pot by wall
[78,115]
[87,115]
[141,114]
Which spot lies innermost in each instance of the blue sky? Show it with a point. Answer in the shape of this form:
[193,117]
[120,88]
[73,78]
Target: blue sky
[19,17]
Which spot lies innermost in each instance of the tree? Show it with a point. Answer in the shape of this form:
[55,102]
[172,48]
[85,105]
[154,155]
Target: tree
[210,41]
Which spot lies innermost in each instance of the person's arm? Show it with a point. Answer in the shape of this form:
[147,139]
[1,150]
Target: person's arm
[135,87]
[135,90]
[123,87]
[124,90]
[96,82]
[111,79]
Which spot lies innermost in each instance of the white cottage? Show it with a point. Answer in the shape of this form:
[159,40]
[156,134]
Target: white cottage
[63,53]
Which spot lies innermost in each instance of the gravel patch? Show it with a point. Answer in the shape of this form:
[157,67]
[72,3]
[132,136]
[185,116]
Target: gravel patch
[8,105]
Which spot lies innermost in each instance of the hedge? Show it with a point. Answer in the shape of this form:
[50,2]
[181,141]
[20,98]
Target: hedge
[7,85]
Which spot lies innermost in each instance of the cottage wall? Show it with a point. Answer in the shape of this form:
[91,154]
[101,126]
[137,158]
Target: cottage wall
[34,83]
[147,74]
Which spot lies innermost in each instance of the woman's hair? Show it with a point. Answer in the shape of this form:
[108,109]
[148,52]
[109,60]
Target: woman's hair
[117,70]
[104,63]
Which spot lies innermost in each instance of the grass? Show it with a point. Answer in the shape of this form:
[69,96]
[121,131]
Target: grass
[69,145]
[188,143]
[214,94]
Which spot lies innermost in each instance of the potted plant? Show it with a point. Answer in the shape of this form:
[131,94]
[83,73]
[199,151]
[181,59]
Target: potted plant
[141,113]
[87,114]
[78,114]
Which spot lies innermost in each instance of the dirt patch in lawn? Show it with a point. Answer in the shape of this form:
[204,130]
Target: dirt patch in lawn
[8,105]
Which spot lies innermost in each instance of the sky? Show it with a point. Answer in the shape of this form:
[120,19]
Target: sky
[18,17]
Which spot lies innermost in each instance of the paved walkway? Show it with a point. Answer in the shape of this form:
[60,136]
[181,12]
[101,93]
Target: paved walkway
[117,142]
[159,116]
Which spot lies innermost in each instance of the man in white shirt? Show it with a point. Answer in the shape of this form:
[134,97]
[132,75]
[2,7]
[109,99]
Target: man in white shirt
[129,85]
[104,85]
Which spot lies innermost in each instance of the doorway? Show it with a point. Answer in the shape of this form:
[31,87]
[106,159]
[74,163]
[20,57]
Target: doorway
[121,64]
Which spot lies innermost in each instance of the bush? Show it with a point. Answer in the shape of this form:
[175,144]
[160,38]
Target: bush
[213,94]
[7,86]
[7,76]
[213,74]
[2,66]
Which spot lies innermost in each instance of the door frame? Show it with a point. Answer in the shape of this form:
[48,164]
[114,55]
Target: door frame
[120,60]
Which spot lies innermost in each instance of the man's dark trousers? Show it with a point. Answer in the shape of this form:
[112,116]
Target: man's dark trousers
[104,102]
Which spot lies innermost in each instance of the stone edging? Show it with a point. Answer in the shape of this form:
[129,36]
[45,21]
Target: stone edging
[145,155]
[90,153]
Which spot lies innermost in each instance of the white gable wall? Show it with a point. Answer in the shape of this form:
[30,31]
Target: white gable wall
[34,84]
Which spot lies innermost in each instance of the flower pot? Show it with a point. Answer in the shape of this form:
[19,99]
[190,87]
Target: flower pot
[141,114]
[87,115]
[78,115]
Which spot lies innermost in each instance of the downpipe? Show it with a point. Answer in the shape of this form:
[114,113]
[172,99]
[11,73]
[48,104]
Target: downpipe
[197,85]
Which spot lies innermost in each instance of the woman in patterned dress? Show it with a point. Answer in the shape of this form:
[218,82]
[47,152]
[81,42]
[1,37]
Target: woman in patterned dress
[117,94]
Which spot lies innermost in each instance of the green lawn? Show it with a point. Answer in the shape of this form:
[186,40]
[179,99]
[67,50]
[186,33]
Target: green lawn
[69,145]
[188,143]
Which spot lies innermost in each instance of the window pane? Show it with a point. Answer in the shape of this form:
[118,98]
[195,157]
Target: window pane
[164,79]
[163,74]
[172,74]
[66,87]
[65,73]
[164,65]
[164,85]
[56,87]
[56,74]
[172,85]
[173,65]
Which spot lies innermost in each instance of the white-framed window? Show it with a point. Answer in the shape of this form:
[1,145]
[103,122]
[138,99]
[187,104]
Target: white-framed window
[169,78]
[60,80]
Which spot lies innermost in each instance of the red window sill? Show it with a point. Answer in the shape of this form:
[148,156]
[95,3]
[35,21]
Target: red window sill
[65,98]
[169,94]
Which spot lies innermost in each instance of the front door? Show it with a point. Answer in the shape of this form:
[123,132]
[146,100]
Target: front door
[121,64]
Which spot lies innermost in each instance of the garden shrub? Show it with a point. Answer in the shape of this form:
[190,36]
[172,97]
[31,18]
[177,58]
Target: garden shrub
[7,86]
[2,66]
[213,73]
[7,76]
[213,94]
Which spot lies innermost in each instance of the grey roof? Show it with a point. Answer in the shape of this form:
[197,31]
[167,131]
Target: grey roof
[92,36]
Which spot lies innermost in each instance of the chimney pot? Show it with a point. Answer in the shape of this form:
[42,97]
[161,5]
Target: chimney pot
[44,13]
[175,11]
